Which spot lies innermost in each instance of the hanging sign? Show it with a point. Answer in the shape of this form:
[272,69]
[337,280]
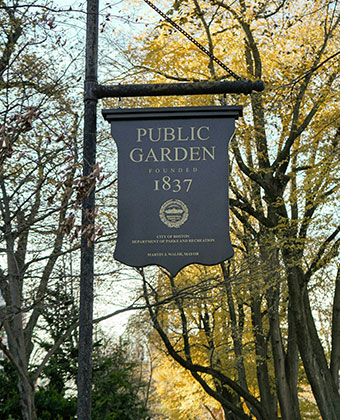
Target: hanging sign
[173,185]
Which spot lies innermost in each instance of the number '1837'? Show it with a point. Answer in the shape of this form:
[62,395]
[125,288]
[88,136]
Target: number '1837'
[173,185]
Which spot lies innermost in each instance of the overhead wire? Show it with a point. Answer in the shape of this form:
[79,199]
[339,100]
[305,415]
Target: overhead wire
[194,41]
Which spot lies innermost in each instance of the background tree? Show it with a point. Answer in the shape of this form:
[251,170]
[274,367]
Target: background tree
[118,388]
[284,188]
[41,191]
[39,169]
[177,395]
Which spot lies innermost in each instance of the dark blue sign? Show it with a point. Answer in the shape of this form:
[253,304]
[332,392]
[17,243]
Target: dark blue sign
[173,185]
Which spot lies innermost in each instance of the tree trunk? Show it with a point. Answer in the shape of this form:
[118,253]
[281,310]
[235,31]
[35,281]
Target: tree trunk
[285,366]
[228,415]
[17,354]
[26,392]
[335,356]
[268,399]
[311,351]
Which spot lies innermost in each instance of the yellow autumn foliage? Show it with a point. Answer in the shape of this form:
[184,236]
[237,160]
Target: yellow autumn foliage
[178,396]
[284,189]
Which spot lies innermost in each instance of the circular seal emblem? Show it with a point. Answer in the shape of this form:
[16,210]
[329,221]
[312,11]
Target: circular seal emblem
[174,213]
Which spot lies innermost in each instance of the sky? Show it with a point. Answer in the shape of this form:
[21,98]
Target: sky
[113,298]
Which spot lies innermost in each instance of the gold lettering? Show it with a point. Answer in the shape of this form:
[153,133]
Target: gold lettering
[192,133]
[199,133]
[174,154]
[150,135]
[169,134]
[151,155]
[139,155]
[141,132]
[165,151]
[195,153]
[184,156]
[206,152]
[180,135]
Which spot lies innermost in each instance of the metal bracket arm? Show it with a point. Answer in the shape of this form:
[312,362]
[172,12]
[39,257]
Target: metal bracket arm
[168,89]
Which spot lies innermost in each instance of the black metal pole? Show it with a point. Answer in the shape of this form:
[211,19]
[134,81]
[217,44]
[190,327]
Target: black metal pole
[88,206]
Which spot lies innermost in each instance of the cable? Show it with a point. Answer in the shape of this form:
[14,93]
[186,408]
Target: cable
[200,46]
